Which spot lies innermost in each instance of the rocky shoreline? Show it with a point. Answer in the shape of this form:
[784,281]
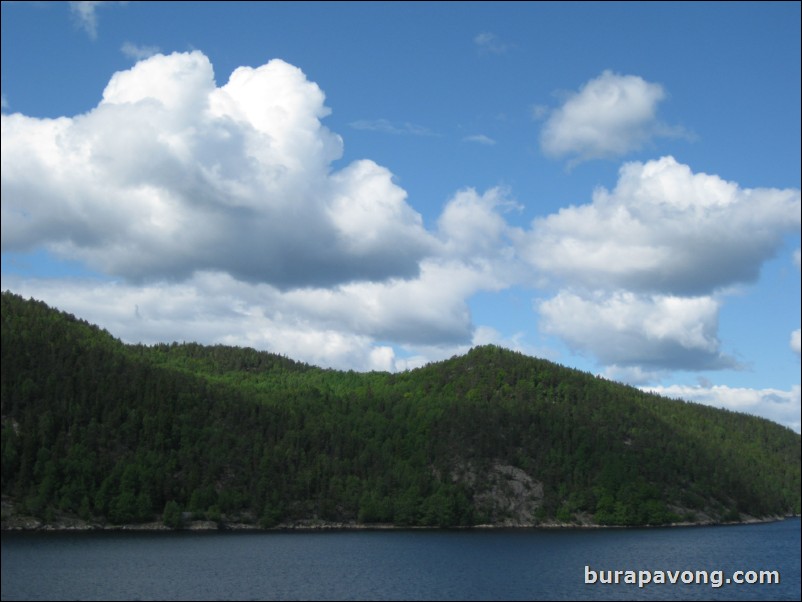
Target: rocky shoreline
[29,524]
[12,520]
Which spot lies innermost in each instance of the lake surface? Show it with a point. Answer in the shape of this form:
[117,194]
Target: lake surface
[510,564]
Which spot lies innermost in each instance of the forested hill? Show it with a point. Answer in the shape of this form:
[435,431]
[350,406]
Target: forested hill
[117,434]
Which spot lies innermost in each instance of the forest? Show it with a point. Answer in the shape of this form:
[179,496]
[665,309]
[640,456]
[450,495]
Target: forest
[116,434]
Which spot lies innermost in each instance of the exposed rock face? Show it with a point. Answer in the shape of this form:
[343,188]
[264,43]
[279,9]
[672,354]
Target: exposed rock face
[506,495]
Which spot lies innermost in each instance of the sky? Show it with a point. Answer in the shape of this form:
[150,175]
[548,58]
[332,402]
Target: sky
[374,186]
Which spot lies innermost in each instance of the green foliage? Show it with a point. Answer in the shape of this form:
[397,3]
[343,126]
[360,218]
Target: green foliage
[172,515]
[121,433]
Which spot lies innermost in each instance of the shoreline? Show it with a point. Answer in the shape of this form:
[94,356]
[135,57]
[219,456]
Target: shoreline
[32,524]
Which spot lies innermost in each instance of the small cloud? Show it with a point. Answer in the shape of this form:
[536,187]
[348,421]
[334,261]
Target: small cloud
[633,375]
[4,106]
[85,13]
[539,112]
[480,138]
[137,52]
[488,43]
[386,126]
[796,344]
[797,259]
[608,117]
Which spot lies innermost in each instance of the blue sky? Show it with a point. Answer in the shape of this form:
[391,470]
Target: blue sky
[612,186]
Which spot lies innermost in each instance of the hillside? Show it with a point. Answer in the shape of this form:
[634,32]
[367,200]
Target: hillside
[118,434]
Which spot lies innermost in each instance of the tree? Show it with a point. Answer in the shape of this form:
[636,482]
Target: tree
[172,515]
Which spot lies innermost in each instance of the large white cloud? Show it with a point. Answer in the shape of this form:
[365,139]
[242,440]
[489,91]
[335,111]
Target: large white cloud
[624,329]
[209,308]
[171,174]
[220,211]
[347,325]
[352,326]
[609,117]
[664,229]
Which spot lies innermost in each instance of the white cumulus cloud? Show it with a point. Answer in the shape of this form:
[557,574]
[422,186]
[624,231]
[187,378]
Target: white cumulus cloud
[664,229]
[650,331]
[472,225]
[171,174]
[610,116]
[208,308]
[347,326]
[217,216]
[796,341]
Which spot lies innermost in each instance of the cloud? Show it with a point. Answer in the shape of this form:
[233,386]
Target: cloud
[610,116]
[3,102]
[795,342]
[171,174]
[217,216]
[664,229]
[385,126]
[210,308]
[655,332]
[489,43]
[480,139]
[346,326]
[539,111]
[86,15]
[472,226]
[474,253]
[642,270]
[797,259]
[138,52]
[634,375]
[773,404]
[427,310]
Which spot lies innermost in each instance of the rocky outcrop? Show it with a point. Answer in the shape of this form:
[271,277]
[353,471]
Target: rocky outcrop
[504,494]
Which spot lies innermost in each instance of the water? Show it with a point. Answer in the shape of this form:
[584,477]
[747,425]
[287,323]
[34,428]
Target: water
[438,565]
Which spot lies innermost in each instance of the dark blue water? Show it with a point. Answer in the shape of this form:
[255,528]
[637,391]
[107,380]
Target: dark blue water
[438,565]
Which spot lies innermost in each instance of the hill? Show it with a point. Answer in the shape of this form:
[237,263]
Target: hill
[120,434]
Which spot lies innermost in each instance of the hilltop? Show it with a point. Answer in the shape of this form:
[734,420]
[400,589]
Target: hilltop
[104,433]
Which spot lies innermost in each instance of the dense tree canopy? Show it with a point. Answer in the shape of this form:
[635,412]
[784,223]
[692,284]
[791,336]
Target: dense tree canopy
[129,433]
